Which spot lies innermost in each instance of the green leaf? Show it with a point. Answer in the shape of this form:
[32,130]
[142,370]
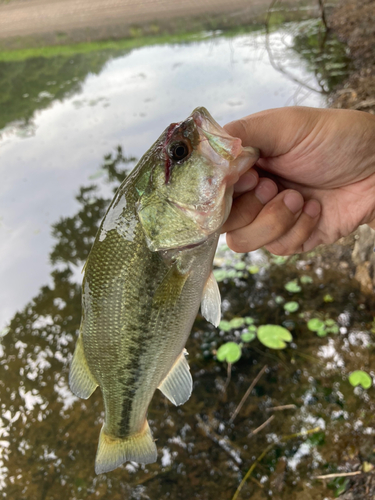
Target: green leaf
[225,326]
[274,336]
[279,299]
[315,324]
[253,269]
[333,329]
[293,286]
[359,377]
[248,336]
[249,320]
[240,266]
[279,259]
[322,332]
[305,279]
[252,328]
[330,322]
[229,352]
[328,298]
[220,274]
[237,323]
[291,306]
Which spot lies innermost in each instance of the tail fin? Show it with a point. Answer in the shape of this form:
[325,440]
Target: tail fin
[113,452]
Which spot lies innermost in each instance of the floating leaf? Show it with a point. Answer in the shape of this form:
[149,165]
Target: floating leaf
[279,259]
[240,266]
[234,323]
[293,286]
[274,336]
[279,299]
[252,328]
[253,269]
[328,298]
[248,336]
[291,306]
[225,326]
[305,279]
[229,352]
[249,320]
[220,274]
[315,324]
[333,329]
[322,332]
[359,377]
[330,322]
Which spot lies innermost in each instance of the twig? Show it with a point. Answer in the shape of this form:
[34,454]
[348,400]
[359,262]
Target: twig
[258,429]
[224,443]
[283,407]
[246,395]
[229,374]
[339,474]
[323,13]
[264,453]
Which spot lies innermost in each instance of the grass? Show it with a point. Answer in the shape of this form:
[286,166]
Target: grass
[7,55]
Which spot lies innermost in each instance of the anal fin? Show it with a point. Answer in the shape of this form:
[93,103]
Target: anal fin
[81,381]
[211,301]
[178,384]
[114,451]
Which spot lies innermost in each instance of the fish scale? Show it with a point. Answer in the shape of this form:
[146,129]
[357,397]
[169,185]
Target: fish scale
[148,271]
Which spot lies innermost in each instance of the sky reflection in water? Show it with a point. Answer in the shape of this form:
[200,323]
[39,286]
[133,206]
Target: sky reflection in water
[129,103]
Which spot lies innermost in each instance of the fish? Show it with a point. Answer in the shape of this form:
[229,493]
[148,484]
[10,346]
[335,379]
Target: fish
[147,274]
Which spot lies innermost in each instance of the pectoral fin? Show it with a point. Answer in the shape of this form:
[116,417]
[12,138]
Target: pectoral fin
[178,384]
[211,301]
[81,381]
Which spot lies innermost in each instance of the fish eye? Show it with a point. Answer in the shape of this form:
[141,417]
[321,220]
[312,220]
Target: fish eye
[178,151]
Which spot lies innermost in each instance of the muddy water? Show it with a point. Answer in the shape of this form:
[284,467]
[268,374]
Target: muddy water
[49,437]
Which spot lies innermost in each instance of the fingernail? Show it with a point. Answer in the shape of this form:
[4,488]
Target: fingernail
[312,208]
[293,201]
[265,191]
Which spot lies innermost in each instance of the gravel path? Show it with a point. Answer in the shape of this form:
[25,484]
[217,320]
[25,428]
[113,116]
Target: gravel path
[37,17]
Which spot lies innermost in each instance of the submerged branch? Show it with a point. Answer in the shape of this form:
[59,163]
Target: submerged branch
[246,395]
[283,439]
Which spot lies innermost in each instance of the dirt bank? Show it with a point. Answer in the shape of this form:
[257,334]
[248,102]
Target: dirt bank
[354,23]
[25,23]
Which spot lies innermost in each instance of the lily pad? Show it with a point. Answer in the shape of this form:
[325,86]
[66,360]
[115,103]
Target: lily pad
[248,336]
[237,323]
[293,286]
[291,306]
[249,320]
[240,266]
[229,352]
[253,269]
[328,298]
[279,299]
[305,279]
[359,377]
[274,336]
[315,324]
[225,326]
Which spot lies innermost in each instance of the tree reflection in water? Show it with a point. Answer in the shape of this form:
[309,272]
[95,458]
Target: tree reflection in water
[49,437]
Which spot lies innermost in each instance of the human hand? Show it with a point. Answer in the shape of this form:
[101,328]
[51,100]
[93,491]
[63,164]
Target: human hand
[322,161]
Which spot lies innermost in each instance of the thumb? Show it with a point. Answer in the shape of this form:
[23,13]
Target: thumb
[277,131]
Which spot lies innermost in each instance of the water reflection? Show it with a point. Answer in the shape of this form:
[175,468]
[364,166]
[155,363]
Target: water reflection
[49,437]
[63,113]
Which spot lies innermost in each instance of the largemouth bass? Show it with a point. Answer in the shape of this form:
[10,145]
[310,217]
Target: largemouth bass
[149,270]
